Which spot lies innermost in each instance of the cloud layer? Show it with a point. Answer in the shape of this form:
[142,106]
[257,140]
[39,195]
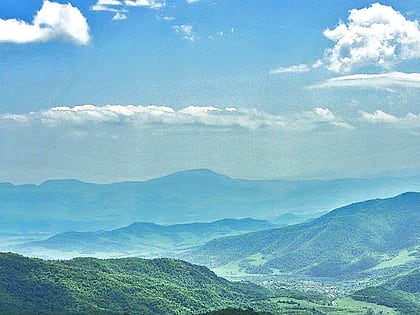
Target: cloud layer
[53,21]
[374,81]
[409,121]
[204,116]
[251,119]
[377,35]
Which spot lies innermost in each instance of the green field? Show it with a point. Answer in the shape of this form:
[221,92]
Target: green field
[403,257]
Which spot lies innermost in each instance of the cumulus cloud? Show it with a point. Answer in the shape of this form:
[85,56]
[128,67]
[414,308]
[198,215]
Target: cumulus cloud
[185,31]
[251,119]
[374,81]
[377,35]
[292,69]
[409,121]
[52,21]
[378,116]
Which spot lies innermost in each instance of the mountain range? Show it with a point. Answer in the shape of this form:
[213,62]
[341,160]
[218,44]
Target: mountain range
[373,246]
[189,196]
[139,239]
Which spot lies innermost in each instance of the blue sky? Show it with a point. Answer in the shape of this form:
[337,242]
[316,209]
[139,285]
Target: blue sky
[111,90]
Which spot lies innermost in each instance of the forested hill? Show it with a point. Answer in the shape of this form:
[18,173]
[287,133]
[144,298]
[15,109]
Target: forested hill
[146,287]
[401,293]
[345,241]
[138,286]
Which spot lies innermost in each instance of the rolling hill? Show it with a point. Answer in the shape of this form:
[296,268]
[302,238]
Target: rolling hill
[190,196]
[139,239]
[380,234]
[88,285]
[401,293]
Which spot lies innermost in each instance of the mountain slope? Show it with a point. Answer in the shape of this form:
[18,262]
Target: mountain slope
[142,239]
[188,196]
[401,293]
[345,241]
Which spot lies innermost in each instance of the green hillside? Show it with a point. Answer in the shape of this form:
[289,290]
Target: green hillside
[401,293]
[142,239]
[346,241]
[139,286]
[159,286]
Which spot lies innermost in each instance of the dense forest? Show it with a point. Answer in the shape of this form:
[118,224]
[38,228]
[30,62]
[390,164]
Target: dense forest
[157,286]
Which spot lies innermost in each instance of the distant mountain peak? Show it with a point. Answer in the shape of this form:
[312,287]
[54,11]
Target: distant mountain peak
[193,174]
[199,172]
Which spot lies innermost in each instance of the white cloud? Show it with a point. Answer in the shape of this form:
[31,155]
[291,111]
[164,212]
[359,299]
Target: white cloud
[192,1]
[185,31]
[251,119]
[325,113]
[342,124]
[318,64]
[119,16]
[23,119]
[154,4]
[409,121]
[119,7]
[107,5]
[375,81]
[292,69]
[378,116]
[377,35]
[320,114]
[167,18]
[52,21]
